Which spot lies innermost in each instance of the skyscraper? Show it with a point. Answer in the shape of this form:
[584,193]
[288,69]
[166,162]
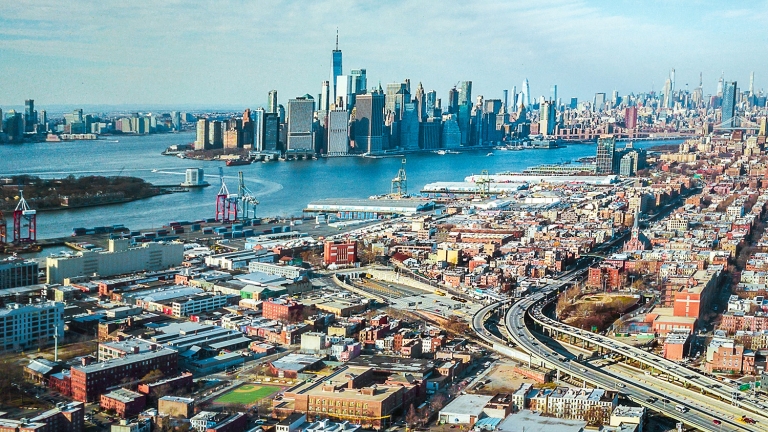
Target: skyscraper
[257,119]
[336,70]
[421,103]
[216,134]
[359,85]
[271,131]
[606,153]
[300,119]
[344,91]
[547,118]
[729,104]
[409,127]
[553,93]
[465,94]
[325,95]
[672,80]
[667,93]
[752,84]
[506,101]
[431,103]
[338,132]
[526,90]
[201,140]
[272,101]
[599,102]
[176,120]
[630,117]
[369,123]
[453,101]
[30,116]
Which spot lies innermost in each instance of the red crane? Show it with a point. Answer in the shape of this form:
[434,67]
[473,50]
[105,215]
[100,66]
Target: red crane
[226,203]
[24,222]
[3,229]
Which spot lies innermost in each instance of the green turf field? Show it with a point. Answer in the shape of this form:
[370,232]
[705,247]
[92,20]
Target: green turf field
[247,394]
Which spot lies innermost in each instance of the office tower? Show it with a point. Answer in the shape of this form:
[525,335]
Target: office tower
[720,86]
[667,103]
[257,134]
[30,116]
[574,103]
[630,117]
[2,120]
[421,103]
[343,91]
[176,120]
[338,132]
[397,95]
[271,132]
[506,101]
[429,134]
[729,104]
[463,120]
[553,94]
[336,70]
[431,103]
[216,134]
[606,153]
[515,103]
[672,80]
[300,119]
[409,127]
[359,81]
[492,106]
[465,94]
[547,118]
[369,122]
[615,99]
[453,101]
[325,94]
[42,119]
[599,102]
[201,141]
[247,128]
[526,91]
[451,135]
[272,101]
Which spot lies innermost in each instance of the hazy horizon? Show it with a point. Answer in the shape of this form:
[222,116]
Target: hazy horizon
[231,53]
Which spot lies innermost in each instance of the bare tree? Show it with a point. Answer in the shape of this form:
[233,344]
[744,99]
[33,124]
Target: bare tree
[411,418]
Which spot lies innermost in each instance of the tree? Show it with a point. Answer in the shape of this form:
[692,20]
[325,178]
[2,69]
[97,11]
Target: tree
[412,418]
[152,376]
[438,402]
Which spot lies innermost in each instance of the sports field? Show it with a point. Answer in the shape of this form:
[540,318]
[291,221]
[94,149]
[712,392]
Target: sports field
[247,394]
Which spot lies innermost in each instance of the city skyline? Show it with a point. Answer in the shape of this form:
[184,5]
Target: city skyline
[233,54]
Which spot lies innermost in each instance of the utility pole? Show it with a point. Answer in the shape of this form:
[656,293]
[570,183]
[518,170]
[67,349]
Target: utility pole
[56,343]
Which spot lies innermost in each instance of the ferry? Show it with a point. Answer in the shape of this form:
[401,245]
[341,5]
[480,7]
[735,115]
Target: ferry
[237,162]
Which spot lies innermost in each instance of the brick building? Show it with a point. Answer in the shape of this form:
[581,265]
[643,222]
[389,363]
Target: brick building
[339,252]
[724,355]
[91,380]
[282,309]
[124,402]
[183,380]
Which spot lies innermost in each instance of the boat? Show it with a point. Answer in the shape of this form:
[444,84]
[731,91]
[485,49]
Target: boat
[440,152]
[490,154]
[237,162]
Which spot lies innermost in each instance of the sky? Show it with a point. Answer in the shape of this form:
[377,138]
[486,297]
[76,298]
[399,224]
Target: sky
[231,53]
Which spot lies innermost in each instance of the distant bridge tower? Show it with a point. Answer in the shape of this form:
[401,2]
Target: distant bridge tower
[24,222]
[400,182]
[226,203]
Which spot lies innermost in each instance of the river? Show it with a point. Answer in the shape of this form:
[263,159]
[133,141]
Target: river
[283,188]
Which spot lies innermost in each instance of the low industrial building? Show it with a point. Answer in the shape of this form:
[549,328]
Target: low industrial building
[465,409]
[124,402]
[347,208]
[175,406]
[30,326]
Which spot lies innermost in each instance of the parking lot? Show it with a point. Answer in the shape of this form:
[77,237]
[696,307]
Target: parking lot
[433,303]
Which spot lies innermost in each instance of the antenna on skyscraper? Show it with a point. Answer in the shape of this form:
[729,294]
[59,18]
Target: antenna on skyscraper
[337,38]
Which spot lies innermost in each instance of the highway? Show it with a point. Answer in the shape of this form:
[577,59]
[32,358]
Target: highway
[638,391]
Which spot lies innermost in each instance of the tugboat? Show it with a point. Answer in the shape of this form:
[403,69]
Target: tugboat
[236,162]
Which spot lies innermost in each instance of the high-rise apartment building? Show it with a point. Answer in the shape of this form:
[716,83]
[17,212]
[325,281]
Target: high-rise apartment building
[325,96]
[300,119]
[547,118]
[369,123]
[606,155]
[271,132]
[30,116]
[201,140]
[667,93]
[465,94]
[630,117]
[729,104]
[257,121]
[216,134]
[272,101]
[338,132]
[176,120]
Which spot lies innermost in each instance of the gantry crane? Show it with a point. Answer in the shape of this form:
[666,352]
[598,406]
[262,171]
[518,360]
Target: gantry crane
[483,183]
[400,182]
[226,203]
[24,222]
[248,201]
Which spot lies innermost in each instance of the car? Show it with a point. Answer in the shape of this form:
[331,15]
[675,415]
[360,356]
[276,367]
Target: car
[665,400]
[651,399]
[620,385]
[716,422]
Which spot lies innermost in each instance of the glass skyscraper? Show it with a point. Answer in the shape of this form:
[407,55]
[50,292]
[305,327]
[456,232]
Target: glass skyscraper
[729,104]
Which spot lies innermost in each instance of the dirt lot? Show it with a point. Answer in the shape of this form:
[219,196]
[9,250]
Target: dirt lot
[503,379]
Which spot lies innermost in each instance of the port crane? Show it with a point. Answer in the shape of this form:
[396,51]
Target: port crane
[400,182]
[3,232]
[226,203]
[483,183]
[24,222]
[248,201]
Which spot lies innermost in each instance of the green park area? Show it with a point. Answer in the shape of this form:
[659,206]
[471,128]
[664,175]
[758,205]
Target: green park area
[247,394]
